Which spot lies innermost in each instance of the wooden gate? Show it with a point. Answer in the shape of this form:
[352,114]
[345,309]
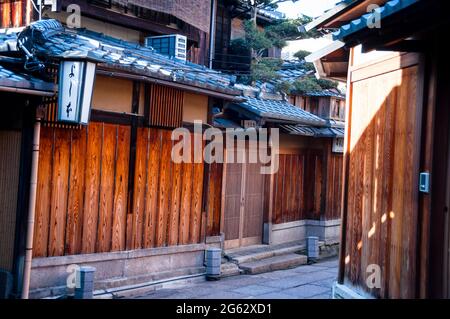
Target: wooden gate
[243,203]
[382,163]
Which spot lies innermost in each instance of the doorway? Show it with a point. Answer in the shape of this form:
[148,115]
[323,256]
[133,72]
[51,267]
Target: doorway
[10,146]
[243,202]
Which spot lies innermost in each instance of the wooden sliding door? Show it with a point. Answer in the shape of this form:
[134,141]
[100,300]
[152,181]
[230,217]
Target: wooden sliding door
[243,203]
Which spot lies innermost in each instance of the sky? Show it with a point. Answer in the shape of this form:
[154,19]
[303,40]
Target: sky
[311,8]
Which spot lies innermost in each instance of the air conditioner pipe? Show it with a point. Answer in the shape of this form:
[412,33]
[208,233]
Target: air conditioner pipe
[31,208]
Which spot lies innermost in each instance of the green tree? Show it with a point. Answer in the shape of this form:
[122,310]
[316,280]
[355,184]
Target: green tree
[257,41]
[255,5]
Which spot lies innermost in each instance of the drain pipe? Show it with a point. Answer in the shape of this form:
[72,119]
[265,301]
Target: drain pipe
[212,33]
[31,207]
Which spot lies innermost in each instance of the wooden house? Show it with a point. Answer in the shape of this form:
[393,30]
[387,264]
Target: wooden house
[395,234]
[20,95]
[302,198]
[108,194]
[132,20]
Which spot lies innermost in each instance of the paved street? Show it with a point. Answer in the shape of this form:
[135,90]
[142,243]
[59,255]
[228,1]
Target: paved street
[309,281]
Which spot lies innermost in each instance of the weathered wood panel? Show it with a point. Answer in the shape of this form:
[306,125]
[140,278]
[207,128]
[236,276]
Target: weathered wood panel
[60,187]
[84,207]
[254,197]
[214,198]
[197,196]
[186,199]
[92,185]
[82,183]
[152,186]
[76,192]
[43,194]
[232,200]
[121,188]
[382,198]
[172,192]
[298,187]
[107,172]
[166,107]
[140,182]
[333,185]
[164,189]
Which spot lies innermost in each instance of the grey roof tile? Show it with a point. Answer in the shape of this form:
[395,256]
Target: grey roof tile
[313,131]
[14,79]
[50,39]
[279,110]
[326,93]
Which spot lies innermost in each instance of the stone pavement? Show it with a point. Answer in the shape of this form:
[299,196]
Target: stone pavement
[304,282]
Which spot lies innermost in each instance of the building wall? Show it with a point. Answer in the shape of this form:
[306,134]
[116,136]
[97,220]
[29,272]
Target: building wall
[112,94]
[195,107]
[106,28]
[194,12]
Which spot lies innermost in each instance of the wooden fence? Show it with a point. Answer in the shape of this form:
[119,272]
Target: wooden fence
[306,188]
[86,205]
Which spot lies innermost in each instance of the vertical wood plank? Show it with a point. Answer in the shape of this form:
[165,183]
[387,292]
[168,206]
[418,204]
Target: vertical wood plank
[76,192]
[164,189]
[121,188]
[60,184]
[186,199]
[196,208]
[175,204]
[43,195]
[140,182]
[107,180]
[92,187]
[153,175]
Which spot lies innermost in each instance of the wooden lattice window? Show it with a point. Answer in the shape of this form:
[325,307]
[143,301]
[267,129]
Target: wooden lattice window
[165,107]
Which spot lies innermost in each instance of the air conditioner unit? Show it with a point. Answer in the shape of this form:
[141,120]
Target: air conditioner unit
[173,45]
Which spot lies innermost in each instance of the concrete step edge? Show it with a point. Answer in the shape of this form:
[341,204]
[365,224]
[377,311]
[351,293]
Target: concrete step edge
[274,263]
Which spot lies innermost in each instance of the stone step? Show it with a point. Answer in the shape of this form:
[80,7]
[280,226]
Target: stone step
[264,254]
[273,263]
[229,269]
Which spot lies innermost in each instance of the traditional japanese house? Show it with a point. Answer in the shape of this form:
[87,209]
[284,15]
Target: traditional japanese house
[302,197]
[20,94]
[108,193]
[395,234]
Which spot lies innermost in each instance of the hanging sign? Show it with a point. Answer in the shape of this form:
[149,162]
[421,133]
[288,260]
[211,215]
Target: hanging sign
[338,145]
[76,84]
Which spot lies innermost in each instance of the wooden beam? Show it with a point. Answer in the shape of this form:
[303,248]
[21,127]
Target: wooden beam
[133,139]
[115,118]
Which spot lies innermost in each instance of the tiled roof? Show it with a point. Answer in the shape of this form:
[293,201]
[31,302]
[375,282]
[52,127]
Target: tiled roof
[221,122]
[12,79]
[50,39]
[313,131]
[326,93]
[8,39]
[390,8]
[279,110]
